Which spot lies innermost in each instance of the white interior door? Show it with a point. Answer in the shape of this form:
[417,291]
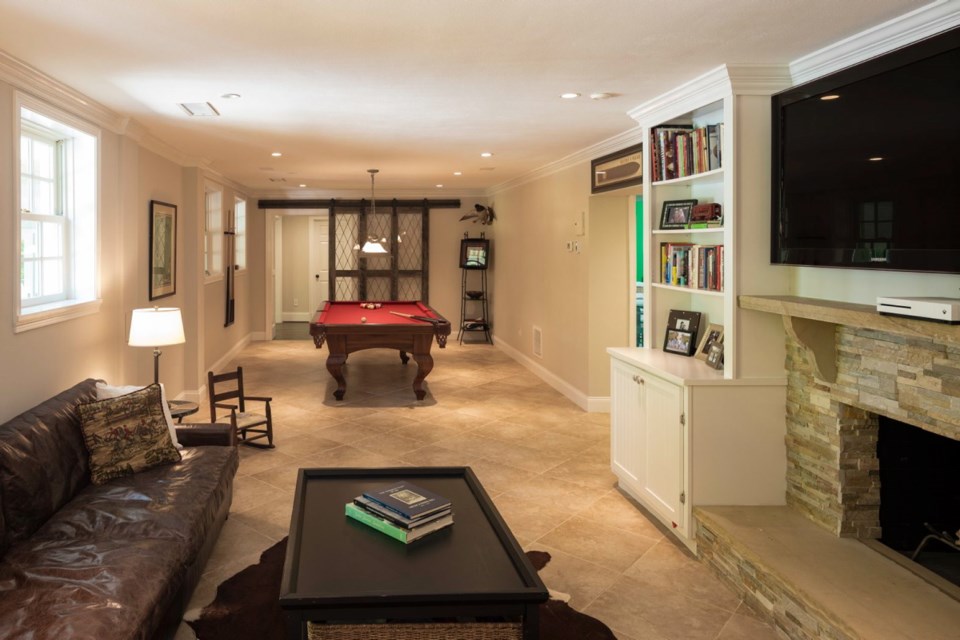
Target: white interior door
[319,261]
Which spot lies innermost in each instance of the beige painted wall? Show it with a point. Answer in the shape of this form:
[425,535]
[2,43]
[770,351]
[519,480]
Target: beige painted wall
[537,281]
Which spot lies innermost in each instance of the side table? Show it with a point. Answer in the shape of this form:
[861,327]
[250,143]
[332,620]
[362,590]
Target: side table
[182,408]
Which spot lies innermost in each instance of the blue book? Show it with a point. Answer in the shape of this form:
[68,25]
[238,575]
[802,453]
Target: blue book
[407,499]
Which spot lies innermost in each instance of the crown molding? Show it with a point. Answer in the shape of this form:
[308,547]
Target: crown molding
[28,80]
[361,194]
[704,89]
[893,34]
[602,148]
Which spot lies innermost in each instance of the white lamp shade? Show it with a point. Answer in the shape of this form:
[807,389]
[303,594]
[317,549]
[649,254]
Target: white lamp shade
[372,246]
[156,327]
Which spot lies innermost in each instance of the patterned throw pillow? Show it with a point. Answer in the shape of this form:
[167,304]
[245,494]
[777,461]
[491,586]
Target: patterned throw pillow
[127,434]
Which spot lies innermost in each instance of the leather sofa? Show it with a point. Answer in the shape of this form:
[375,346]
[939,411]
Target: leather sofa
[118,560]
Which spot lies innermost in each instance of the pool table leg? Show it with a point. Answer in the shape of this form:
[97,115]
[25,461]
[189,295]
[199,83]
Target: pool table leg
[424,367]
[335,367]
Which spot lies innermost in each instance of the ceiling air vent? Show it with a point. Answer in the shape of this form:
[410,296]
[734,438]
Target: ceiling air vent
[277,179]
[199,109]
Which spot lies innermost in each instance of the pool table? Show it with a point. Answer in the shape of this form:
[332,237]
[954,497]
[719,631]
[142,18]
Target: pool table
[346,327]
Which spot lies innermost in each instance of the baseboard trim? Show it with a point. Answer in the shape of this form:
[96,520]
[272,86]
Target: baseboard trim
[572,393]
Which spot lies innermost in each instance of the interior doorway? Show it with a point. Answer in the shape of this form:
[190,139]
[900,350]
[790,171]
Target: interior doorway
[300,267]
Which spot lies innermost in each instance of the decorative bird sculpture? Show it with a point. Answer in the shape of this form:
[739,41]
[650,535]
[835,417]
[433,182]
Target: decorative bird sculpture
[484,215]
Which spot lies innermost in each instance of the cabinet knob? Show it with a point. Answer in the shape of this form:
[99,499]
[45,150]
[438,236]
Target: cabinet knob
[638,379]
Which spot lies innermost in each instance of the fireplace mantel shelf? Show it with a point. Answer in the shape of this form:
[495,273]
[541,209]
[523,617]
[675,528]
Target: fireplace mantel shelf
[813,323]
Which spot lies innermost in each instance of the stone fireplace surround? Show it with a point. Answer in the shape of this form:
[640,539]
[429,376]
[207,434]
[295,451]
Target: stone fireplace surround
[845,364]
[902,368]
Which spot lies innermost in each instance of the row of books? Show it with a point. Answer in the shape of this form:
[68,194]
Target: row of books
[682,150]
[401,510]
[697,266]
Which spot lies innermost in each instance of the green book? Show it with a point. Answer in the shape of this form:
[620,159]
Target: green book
[406,536]
[374,522]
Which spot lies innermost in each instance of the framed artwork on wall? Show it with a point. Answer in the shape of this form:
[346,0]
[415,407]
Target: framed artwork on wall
[163,249]
[617,170]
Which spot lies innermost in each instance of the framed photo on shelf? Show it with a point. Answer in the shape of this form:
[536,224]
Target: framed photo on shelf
[616,170]
[676,214]
[715,356]
[474,253]
[681,333]
[163,250]
[713,335]
[680,342]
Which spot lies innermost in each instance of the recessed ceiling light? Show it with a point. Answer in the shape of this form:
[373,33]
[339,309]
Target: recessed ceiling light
[832,96]
[486,154]
[302,186]
[276,154]
[875,159]
[570,95]
[230,96]
[199,109]
[602,95]
[439,186]
[458,173]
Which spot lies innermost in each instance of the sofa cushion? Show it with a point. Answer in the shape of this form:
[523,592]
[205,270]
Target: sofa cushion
[110,562]
[43,462]
[105,391]
[126,434]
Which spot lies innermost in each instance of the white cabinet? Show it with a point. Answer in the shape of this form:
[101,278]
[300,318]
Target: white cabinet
[647,445]
[683,435]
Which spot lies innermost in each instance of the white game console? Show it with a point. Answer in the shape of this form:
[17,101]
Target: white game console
[937,309]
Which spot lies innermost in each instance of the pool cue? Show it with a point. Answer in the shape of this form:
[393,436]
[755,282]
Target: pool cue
[413,317]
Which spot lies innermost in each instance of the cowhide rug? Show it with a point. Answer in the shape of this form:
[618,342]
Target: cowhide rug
[246,606]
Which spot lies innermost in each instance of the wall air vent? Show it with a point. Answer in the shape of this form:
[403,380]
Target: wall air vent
[199,109]
[537,342]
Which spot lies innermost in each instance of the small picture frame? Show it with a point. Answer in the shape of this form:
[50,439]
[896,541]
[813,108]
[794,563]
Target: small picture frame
[715,355]
[474,253]
[163,250]
[712,335]
[676,214]
[680,342]
[683,320]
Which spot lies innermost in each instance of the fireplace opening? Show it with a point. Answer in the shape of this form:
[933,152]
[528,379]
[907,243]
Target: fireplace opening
[920,494]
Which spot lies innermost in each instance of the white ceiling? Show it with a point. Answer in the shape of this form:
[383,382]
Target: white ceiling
[416,88]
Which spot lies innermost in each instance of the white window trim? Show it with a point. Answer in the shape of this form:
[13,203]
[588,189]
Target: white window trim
[245,235]
[61,311]
[216,276]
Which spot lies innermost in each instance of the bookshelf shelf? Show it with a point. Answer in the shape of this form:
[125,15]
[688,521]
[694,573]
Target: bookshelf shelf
[687,290]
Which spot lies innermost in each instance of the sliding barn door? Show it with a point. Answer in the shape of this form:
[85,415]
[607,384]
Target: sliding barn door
[399,274]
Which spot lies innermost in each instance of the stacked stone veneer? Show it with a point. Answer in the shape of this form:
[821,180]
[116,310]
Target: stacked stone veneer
[832,468]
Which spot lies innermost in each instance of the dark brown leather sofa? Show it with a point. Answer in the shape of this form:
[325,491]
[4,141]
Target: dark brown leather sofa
[119,560]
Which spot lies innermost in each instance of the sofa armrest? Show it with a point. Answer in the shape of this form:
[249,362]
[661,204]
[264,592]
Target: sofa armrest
[194,435]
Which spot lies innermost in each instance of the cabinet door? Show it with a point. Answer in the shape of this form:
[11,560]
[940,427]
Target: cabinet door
[662,479]
[626,418]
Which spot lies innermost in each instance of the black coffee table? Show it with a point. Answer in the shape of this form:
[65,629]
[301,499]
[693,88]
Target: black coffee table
[337,569]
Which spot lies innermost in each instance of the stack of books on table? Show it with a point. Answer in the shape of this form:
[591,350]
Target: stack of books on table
[401,510]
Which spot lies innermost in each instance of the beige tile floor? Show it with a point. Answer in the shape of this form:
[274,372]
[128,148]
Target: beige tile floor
[544,461]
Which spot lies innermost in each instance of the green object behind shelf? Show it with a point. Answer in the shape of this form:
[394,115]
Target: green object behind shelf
[639,239]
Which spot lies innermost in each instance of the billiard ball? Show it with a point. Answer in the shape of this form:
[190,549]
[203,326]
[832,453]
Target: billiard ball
[363,319]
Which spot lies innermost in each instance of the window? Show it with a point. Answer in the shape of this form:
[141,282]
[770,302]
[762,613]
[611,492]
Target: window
[213,234]
[240,233]
[57,231]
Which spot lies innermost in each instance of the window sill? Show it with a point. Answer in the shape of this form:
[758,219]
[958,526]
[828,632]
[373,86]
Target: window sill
[217,277]
[48,314]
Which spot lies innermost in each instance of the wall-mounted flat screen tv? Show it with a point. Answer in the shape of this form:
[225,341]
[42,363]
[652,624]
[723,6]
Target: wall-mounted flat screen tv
[865,164]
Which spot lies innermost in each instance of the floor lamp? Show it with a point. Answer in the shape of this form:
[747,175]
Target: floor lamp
[156,327]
